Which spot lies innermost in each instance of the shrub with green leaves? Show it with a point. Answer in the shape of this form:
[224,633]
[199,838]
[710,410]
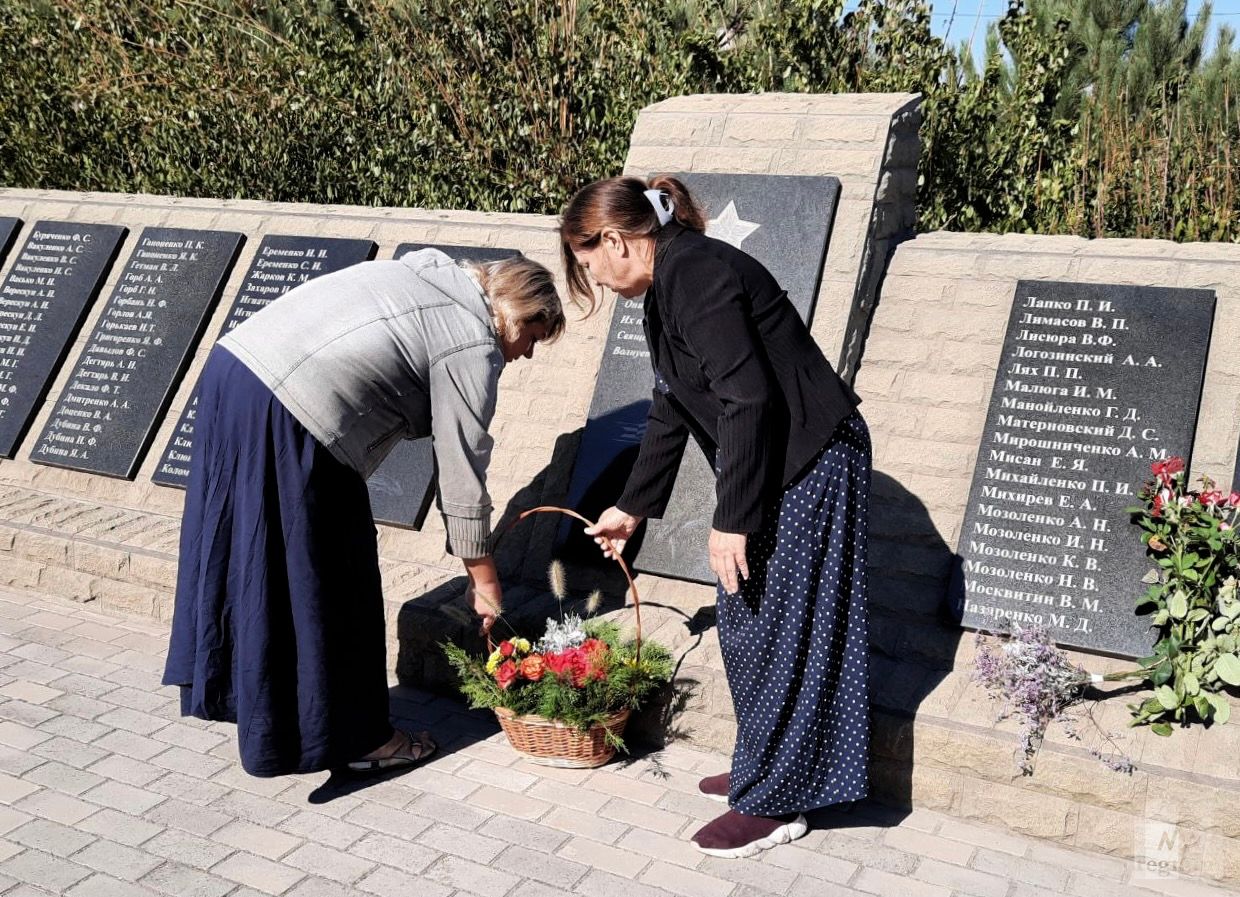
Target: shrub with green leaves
[1082,116]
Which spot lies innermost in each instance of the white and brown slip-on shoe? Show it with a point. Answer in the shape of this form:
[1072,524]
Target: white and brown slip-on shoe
[734,835]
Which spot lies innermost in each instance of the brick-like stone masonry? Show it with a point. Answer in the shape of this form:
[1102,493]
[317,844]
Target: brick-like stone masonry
[868,141]
[925,377]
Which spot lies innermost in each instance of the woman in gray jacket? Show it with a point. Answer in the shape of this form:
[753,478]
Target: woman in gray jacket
[279,624]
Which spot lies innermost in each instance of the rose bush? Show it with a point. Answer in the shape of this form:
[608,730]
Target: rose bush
[1193,601]
[1192,597]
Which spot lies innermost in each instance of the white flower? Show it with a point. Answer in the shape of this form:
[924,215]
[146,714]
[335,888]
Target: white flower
[562,635]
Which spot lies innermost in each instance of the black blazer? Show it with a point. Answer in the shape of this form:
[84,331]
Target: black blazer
[737,368]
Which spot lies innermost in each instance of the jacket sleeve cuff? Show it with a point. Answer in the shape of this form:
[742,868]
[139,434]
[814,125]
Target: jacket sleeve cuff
[636,507]
[737,521]
[468,537]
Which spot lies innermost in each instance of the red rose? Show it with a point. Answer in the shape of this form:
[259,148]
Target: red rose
[574,667]
[583,669]
[579,665]
[1158,506]
[506,674]
[532,667]
[558,663]
[1165,470]
[506,648]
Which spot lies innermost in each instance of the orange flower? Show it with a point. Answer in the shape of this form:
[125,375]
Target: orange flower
[533,667]
[594,653]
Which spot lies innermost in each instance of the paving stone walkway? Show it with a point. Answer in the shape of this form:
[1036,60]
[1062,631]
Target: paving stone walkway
[105,791]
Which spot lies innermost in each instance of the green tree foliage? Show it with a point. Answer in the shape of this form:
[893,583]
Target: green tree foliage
[1099,36]
[1155,123]
[1095,117]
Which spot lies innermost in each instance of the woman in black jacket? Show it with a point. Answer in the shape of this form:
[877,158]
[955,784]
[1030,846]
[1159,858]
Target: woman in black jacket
[736,368]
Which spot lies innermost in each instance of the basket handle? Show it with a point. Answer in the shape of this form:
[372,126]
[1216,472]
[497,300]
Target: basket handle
[637,606]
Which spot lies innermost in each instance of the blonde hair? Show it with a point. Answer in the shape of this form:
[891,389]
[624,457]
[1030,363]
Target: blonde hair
[618,203]
[521,292]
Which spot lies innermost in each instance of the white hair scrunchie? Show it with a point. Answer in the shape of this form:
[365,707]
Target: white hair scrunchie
[663,205]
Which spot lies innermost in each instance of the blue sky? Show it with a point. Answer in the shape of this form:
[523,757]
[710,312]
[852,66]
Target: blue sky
[971,16]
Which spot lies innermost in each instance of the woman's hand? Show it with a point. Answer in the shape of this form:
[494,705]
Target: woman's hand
[484,593]
[727,559]
[616,526]
[487,604]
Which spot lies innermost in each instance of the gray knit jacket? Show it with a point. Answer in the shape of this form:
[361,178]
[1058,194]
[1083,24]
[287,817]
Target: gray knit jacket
[384,351]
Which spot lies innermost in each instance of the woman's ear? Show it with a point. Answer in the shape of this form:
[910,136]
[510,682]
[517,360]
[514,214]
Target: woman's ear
[613,239]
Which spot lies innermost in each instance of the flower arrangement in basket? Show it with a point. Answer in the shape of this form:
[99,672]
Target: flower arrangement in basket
[565,698]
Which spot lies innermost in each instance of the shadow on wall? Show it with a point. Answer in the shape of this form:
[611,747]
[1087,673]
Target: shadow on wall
[913,638]
[523,554]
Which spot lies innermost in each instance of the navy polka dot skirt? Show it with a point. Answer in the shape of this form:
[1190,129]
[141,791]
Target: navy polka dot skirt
[794,640]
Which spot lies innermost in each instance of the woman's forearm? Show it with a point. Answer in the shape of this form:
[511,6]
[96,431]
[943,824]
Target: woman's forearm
[484,595]
[482,572]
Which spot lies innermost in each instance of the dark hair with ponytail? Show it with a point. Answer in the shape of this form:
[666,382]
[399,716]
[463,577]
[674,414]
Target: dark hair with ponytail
[618,203]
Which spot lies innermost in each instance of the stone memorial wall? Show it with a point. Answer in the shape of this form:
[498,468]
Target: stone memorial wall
[120,548]
[119,545]
[868,142]
[106,417]
[929,378]
[279,264]
[1088,393]
[934,377]
[44,298]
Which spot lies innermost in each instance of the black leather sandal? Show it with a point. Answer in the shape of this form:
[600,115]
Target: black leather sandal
[411,752]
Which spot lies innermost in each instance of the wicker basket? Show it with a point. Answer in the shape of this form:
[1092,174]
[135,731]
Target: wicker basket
[551,742]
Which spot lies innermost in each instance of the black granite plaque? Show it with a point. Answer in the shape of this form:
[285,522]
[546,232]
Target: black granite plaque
[281,263]
[107,414]
[1095,383]
[783,221]
[402,488]
[8,235]
[44,298]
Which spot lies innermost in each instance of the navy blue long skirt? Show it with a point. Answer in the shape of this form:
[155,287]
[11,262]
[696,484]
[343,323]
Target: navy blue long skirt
[795,643]
[278,623]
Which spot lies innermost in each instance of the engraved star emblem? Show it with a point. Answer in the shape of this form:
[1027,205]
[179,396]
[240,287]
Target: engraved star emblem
[730,227]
